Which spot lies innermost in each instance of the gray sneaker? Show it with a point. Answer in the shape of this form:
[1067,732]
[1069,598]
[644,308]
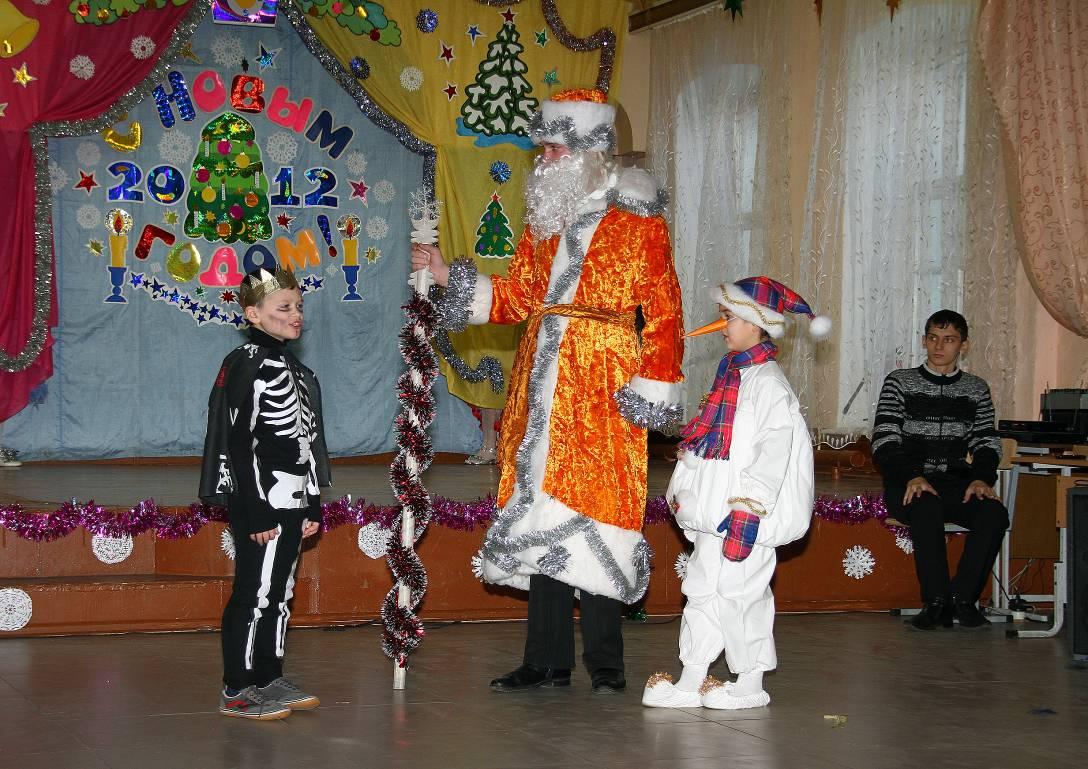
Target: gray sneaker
[251,703]
[283,691]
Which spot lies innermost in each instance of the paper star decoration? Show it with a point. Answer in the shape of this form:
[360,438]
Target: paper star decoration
[283,219]
[542,38]
[447,53]
[86,182]
[227,296]
[170,217]
[508,15]
[358,190]
[450,90]
[474,32]
[186,52]
[267,58]
[3,106]
[95,247]
[373,254]
[199,291]
[22,77]
[551,77]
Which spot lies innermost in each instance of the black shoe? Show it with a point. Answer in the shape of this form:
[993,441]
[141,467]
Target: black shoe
[529,677]
[934,614]
[608,681]
[968,614]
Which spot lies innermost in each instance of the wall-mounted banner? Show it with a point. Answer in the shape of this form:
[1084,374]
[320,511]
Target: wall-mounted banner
[248,153]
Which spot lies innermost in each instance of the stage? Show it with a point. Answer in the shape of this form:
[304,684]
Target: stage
[903,699]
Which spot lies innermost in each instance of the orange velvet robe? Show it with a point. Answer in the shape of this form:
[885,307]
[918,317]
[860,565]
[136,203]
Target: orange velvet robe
[596,462]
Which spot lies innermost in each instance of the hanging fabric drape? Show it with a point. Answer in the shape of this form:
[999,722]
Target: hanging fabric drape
[75,68]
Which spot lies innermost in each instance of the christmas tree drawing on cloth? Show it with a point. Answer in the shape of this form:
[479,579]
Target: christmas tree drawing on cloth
[362,18]
[495,241]
[499,103]
[228,189]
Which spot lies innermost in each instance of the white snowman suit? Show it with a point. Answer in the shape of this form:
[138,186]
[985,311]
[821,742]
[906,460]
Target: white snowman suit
[769,473]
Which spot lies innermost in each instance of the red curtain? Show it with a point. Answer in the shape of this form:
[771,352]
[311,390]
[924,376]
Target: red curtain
[122,55]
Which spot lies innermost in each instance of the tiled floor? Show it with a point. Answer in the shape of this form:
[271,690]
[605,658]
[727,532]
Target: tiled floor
[948,699]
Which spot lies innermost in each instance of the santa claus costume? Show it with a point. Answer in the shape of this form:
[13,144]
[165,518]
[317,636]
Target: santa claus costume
[741,488]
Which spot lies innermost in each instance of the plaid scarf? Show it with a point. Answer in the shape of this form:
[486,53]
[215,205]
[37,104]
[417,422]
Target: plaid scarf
[710,433]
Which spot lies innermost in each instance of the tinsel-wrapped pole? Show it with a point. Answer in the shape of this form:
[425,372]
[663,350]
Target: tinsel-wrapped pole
[403,630]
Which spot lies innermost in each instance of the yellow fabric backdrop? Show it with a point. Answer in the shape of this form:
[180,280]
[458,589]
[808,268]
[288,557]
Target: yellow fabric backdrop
[462,179]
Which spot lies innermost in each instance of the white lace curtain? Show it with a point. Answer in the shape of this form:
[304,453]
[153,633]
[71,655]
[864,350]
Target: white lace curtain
[857,161]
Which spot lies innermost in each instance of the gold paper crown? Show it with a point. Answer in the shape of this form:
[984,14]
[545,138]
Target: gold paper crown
[257,285]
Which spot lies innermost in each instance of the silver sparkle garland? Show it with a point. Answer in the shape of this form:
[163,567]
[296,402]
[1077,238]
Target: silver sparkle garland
[645,413]
[637,206]
[488,368]
[603,39]
[563,127]
[43,191]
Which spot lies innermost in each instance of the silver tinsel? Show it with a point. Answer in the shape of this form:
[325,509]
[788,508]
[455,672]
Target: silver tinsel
[564,126]
[554,561]
[456,305]
[639,207]
[488,368]
[637,410]
[43,205]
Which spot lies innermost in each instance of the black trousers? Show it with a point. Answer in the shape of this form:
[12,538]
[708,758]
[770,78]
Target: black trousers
[550,640]
[986,519]
[255,618]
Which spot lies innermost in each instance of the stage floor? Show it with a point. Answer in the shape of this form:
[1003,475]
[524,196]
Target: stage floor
[39,486]
[948,699]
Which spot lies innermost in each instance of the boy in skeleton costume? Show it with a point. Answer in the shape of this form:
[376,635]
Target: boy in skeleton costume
[264,459]
[585,388]
[742,487]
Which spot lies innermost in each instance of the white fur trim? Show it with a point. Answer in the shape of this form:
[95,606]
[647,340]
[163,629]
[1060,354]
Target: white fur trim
[820,327]
[743,306]
[656,391]
[482,296]
[586,115]
[638,184]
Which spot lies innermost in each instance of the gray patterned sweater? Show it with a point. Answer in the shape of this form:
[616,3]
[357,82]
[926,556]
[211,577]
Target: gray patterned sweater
[927,423]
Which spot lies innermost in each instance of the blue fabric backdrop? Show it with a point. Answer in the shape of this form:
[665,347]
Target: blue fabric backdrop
[132,378]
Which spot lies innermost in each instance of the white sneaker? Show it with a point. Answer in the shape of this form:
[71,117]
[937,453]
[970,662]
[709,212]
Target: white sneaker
[482,457]
[720,696]
[9,458]
[660,692]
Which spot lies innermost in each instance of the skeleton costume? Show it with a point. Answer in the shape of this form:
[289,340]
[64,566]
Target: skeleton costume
[572,450]
[264,459]
[743,486]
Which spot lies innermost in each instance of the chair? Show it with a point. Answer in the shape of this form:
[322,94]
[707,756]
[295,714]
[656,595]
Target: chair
[1006,492]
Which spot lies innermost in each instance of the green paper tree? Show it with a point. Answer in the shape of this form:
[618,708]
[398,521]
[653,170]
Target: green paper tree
[228,189]
[101,12]
[500,100]
[496,238]
[362,18]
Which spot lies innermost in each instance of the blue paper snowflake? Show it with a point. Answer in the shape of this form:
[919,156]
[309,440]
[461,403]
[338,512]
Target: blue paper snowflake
[500,172]
[427,21]
[360,68]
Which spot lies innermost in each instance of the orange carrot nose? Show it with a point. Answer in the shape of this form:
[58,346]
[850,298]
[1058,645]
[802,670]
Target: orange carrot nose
[709,328]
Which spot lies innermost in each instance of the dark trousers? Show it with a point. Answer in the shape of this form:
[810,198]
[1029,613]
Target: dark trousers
[550,640]
[986,519]
[255,618]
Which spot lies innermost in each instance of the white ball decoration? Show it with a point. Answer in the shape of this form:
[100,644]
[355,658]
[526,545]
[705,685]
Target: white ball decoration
[858,562]
[111,549]
[15,609]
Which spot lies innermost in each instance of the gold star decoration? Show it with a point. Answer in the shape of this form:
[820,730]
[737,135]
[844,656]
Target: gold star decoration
[220,167]
[209,216]
[95,247]
[187,53]
[170,217]
[373,254]
[22,77]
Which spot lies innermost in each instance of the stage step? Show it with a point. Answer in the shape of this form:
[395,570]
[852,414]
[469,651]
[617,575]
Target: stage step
[121,603]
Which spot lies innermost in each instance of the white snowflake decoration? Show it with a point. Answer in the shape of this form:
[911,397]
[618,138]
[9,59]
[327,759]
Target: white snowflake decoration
[332,270]
[42,2]
[176,148]
[226,543]
[411,78]
[88,217]
[58,177]
[374,540]
[15,609]
[82,67]
[859,562]
[142,47]
[282,147]
[111,549]
[377,228]
[478,566]
[356,163]
[227,50]
[88,154]
[904,543]
[681,565]
[384,191]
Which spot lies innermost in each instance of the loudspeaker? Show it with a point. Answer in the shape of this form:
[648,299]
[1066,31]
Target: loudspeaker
[1077,570]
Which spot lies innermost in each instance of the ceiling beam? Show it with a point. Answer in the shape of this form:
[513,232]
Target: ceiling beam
[665,12]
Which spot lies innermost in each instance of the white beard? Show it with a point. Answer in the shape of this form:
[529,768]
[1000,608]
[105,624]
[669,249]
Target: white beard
[555,190]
